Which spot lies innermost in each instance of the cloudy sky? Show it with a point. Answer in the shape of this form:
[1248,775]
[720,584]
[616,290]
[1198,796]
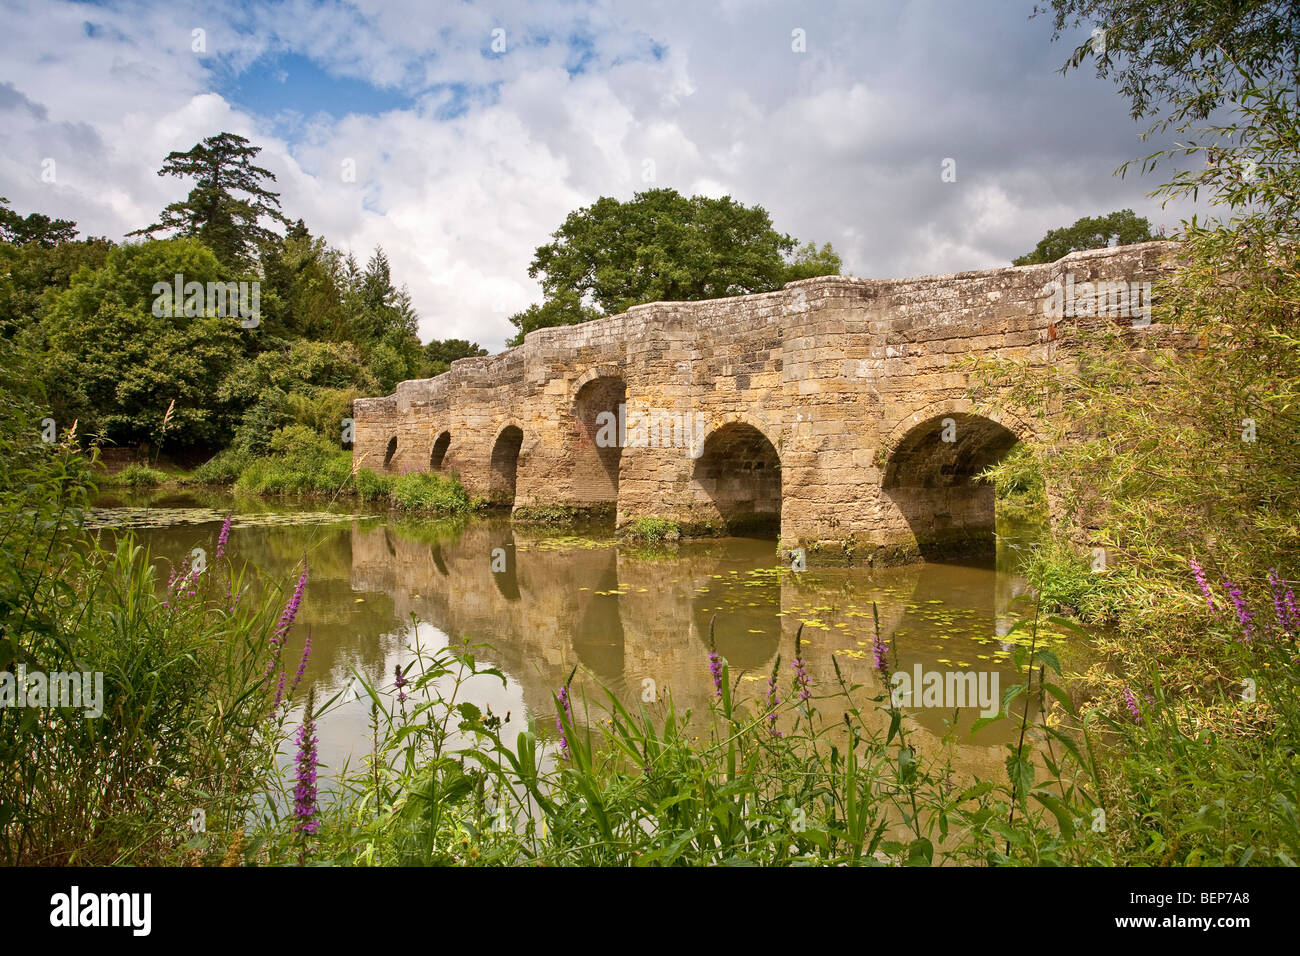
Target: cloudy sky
[474,128]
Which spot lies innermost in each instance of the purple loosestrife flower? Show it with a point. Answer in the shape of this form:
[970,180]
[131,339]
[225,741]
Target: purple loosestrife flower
[800,679]
[1131,701]
[302,664]
[287,617]
[223,537]
[559,722]
[1205,585]
[715,668]
[305,764]
[279,694]
[400,682]
[880,655]
[1284,604]
[772,701]
[1244,616]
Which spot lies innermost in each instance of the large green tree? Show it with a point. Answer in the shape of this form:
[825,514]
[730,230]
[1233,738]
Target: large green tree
[1120,228]
[116,366]
[226,206]
[659,245]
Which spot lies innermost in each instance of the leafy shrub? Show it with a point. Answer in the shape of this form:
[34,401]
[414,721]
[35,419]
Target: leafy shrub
[652,530]
[424,491]
[140,476]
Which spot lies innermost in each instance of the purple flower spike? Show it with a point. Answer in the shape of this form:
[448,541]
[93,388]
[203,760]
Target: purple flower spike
[223,537]
[1244,615]
[304,791]
[400,681]
[715,668]
[800,679]
[1131,701]
[1205,585]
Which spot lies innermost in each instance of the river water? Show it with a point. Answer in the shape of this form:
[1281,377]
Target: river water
[631,618]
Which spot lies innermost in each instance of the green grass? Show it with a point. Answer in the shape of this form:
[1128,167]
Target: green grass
[139,476]
[652,530]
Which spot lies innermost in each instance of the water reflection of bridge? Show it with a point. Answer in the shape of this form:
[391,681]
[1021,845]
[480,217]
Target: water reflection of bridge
[626,617]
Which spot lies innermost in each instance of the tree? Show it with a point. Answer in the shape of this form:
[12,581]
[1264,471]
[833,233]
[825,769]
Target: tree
[563,308]
[34,228]
[113,364]
[221,166]
[440,353]
[660,245]
[809,262]
[1120,228]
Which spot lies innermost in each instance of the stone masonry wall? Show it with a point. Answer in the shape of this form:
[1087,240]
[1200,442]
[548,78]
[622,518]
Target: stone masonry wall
[847,386]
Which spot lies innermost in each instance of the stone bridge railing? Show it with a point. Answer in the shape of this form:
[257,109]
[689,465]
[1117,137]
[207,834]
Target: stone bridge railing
[831,409]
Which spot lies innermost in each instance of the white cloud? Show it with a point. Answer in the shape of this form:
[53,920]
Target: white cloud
[841,143]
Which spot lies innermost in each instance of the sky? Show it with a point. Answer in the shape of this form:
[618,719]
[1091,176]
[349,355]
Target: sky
[459,135]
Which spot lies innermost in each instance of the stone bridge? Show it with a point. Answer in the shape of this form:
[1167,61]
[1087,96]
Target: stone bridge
[833,410]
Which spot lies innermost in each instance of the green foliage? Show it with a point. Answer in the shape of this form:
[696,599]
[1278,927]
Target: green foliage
[230,226]
[140,476]
[1120,228]
[425,491]
[445,351]
[116,366]
[183,676]
[34,228]
[652,530]
[565,307]
[809,262]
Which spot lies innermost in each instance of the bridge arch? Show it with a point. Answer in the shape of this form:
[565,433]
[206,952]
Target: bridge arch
[438,453]
[737,477]
[598,415]
[503,466]
[934,503]
[389,451]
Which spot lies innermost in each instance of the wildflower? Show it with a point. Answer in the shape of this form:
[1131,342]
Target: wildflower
[1244,616]
[279,694]
[223,537]
[801,679]
[1288,616]
[559,722]
[1205,586]
[302,664]
[715,668]
[399,682]
[1131,701]
[290,611]
[772,701]
[286,620]
[880,654]
[304,791]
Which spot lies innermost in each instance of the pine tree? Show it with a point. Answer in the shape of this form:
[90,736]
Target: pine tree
[231,227]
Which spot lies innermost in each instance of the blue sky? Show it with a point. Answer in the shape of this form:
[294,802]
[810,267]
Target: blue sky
[474,128]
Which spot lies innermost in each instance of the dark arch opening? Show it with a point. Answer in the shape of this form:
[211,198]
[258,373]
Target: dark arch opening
[932,476]
[439,451]
[505,465]
[740,471]
[597,418]
[390,452]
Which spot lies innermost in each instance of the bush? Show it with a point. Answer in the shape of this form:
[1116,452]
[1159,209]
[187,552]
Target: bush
[224,468]
[423,491]
[653,530]
[140,476]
